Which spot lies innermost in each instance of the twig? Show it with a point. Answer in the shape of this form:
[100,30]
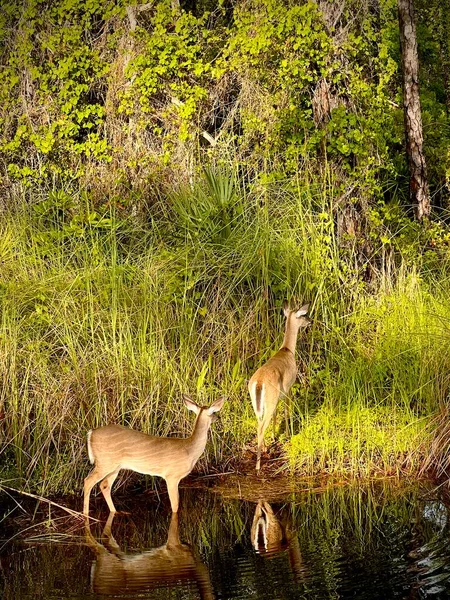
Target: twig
[18,505]
[22,531]
[131,13]
[74,513]
[205,134]
[143,7]
[217,474]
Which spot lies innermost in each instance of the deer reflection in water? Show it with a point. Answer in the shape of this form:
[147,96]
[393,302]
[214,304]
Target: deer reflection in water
[174,563]
[270,536]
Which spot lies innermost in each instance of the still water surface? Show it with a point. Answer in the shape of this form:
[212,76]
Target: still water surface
[368,541]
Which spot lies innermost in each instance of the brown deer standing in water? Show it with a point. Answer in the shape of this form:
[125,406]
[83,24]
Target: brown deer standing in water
[115,447]
[276,376]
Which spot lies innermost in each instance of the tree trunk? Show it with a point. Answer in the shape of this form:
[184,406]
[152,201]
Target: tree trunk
[444,47]
[418,185]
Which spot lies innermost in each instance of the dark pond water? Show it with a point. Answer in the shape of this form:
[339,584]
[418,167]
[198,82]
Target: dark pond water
[380,540]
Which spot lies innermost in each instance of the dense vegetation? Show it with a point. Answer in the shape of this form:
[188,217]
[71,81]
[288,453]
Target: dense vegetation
[170,174]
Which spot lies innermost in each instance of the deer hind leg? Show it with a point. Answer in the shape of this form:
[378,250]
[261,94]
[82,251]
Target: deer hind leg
[94,477]
[262,426]
[260,444]
[174,494]
[106,486]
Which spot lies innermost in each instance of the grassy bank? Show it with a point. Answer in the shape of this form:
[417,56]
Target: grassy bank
[109,318]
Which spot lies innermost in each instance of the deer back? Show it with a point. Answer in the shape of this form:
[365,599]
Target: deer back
[278,373]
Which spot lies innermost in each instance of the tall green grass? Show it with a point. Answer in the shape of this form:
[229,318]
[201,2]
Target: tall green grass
[108,318]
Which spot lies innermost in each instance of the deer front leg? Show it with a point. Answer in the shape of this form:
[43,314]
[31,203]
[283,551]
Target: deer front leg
[274,423]
[174,494]
[287,415]
[262,426]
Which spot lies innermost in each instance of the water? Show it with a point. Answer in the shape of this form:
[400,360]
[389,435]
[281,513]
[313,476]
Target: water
[380,541]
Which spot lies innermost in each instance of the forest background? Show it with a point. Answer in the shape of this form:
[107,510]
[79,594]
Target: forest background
[170,173]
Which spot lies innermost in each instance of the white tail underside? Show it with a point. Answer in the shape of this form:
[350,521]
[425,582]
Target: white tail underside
[90,453]
[260,532]
[259,413]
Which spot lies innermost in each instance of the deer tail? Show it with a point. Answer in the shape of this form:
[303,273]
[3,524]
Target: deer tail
[89,445]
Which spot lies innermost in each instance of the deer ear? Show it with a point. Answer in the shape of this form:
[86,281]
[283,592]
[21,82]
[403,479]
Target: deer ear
[286,309]
[190,404]
[302,311]
[216,406]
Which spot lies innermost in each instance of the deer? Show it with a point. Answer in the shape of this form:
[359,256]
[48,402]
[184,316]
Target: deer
[115,572]
[114,447]
[275,377]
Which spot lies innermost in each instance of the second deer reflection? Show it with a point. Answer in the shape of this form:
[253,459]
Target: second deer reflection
[267,533]
[115,572]
[270,536]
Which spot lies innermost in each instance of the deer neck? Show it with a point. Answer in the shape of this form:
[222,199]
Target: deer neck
[290,337]
[198,439]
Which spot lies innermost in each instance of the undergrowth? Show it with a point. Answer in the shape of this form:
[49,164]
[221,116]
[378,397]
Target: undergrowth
[108,318]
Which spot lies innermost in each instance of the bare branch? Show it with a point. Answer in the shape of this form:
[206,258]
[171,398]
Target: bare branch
[144,7]
[205,134]
[131,12]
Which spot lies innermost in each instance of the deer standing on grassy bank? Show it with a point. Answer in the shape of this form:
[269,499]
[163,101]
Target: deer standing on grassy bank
[276,376]
[115,447]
